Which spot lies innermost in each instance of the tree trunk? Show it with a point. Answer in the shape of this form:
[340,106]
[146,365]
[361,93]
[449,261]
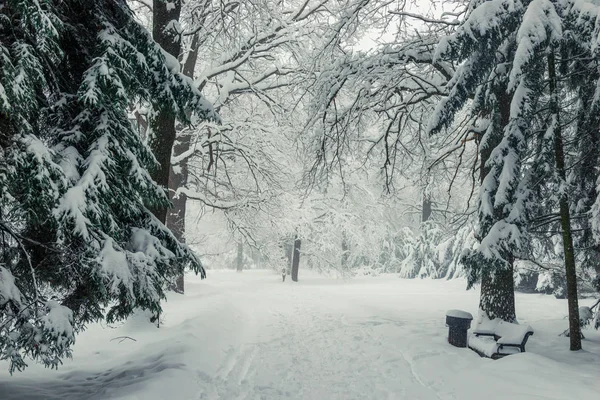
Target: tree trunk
[565,216]
[161,143]
[176,215]
[426,212]
[497,298]
[162,124]
[178,175]
[296,259]
[240,257]
[190,62]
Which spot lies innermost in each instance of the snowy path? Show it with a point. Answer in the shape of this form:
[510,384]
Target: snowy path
[250,336]
[311,354]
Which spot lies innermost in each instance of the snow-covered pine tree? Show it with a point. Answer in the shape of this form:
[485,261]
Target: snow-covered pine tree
[538,42]
[586,136]
[78,241]
[572,64]
[552,43]
[484,44]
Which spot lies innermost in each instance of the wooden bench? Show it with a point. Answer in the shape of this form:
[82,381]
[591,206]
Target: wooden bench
[496,338]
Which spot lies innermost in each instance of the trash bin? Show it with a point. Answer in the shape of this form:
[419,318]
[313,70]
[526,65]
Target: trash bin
[459,323]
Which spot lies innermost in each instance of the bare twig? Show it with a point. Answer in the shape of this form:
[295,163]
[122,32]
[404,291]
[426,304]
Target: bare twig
[123,338]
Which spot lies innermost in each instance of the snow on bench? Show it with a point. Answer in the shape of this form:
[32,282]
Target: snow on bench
[496,338]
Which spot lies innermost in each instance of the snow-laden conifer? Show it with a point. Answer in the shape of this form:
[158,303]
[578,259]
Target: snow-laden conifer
[78,241]
[484,45]
[523,70]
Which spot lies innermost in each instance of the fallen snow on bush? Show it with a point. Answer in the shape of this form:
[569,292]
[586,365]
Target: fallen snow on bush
[250,336]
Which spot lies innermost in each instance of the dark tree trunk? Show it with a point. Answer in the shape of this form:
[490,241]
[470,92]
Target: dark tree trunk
[565,216]
[176,215]
[497,298]
[426,212]
[296,259]
[163,123]
[161,143]
[240,257]
[178,176]
[189,65]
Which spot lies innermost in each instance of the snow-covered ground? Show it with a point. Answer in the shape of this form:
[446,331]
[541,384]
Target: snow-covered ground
[250,336]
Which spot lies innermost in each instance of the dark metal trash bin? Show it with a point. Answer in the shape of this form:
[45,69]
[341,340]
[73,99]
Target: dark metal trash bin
[459,323]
